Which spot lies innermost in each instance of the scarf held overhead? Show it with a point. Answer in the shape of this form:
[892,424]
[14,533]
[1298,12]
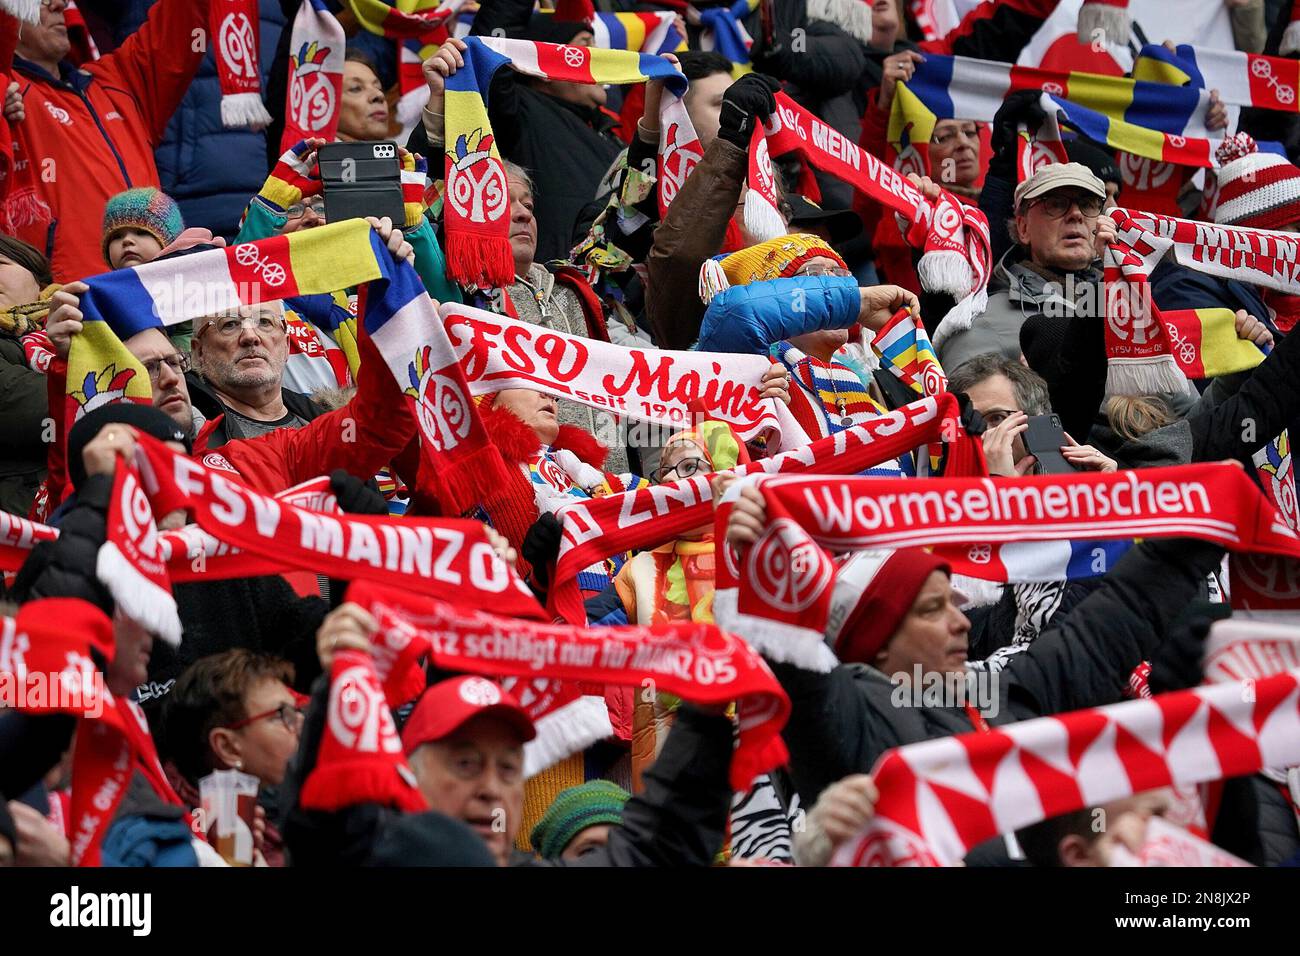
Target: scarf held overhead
[941,797]
[234,24]
[594,530]
[315,87]
[652,385]
[697,662]
[477,197]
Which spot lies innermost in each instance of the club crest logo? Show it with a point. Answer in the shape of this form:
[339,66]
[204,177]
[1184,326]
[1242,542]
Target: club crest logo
[101,388]
[478,692]
[677,161]
[441,407]
[476,180]
[238,45]
[787,569]
[311,92]
[358,716]
[1274,464]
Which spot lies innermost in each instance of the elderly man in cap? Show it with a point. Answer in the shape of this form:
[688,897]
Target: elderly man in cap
[464,742]
[1060,233]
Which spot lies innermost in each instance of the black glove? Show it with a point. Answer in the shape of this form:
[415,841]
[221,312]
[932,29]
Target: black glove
[541,547]
[1176,663]
[1023,106]
[356,496]
[971,419]
[751,99]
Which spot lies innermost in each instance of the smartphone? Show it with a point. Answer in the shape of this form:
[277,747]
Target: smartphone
[360,180]
[1043,439]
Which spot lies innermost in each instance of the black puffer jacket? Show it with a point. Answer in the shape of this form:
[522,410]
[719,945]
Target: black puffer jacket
[679,820]
[843,721]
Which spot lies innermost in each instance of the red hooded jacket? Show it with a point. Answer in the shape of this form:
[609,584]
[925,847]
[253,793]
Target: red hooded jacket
[91,133]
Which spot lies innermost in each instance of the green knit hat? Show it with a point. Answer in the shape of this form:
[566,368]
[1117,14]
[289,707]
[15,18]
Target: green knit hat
[146,208]
[587,805]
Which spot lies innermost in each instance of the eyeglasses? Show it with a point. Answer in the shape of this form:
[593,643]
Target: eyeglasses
[178,362]
[686,468]
[824,271]
[971,131]
[231,326]
[1056,205]
[996,416]
[291,715]
[299,209]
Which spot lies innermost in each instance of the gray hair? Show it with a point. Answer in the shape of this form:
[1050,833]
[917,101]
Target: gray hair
[1029,387]
[515,171]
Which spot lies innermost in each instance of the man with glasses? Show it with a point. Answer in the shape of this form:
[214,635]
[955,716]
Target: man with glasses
[239,360]
[1060,231]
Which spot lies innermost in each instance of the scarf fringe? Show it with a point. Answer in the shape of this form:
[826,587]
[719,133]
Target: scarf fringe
[1145,376]
[244,111]
[851,16]
[152,607]
[460,487]
[1114,23]
[28,11]
[566,731]
[1290,39]
[945,272]
[479,260]
[762,221]
[803,647]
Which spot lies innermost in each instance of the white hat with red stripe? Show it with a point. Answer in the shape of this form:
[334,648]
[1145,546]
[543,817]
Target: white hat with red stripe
[1256,190]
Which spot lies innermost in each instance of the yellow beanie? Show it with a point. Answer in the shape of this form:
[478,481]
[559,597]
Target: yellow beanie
[778,258]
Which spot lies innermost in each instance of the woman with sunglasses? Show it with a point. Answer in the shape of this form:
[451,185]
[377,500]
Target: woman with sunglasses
[232,711]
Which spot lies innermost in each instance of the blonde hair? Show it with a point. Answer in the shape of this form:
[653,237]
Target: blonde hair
[1132,416]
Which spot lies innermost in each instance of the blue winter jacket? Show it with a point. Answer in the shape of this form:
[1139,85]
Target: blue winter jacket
[210,170]
[749,318]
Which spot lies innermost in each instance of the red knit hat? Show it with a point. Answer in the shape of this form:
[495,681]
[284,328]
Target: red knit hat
[1256,190]
[873,593]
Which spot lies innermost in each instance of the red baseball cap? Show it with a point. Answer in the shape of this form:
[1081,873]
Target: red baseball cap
[447,705]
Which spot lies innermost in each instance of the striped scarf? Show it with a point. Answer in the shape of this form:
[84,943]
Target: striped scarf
[477,197]
[940,798]
[315,85]
[399,318]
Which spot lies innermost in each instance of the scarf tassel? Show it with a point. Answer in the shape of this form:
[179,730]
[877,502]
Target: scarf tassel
[566,731]
[460,488]
[1112,20]
[244,111]
[1145,376]
[151,606]
[28,11]
[485,261]
[1290,39]
[762,221]
[24,208]
[945,271]
[783,643]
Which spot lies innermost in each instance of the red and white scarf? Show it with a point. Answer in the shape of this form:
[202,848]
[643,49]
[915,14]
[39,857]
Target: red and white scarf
[315,87]
[653,385]
[697,662]
[51,642]
[234,25]
[939,798]
[783,590]
[595,530]
[446,558]
[953,236]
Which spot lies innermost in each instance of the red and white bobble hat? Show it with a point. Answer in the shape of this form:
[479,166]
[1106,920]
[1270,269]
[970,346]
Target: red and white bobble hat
[1256,190]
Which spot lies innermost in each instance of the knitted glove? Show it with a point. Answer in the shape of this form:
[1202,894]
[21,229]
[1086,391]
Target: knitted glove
[541,547]
[1020,107]
[415,178]
[749,100]
[356,496]
[292,178]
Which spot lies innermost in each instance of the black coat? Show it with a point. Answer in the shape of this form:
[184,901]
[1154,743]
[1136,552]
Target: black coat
[843,721]
[210,406]
[26,407]
[679,820]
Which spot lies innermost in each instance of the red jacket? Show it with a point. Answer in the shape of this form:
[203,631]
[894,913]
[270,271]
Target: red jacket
[91,134]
